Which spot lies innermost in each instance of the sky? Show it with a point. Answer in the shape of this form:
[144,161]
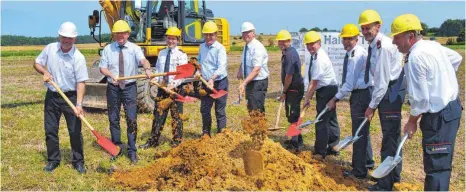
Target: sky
[43,18]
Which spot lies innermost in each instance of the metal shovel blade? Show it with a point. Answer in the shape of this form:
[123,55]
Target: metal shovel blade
[184,71]
[237,102]
[343,143]
[218,94]
[386,167]
[292,130]
[185,99]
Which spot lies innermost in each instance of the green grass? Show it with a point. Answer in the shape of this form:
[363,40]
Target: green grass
[456,47]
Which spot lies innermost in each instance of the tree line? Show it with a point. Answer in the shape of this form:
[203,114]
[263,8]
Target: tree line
[18,40]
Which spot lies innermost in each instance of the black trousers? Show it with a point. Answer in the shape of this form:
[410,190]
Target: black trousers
[328,130]
[255,94]
[390,120]
[160,116]
[127,96]
[438,143]
[362,148]
[54,107]
[220,107]
[293,109]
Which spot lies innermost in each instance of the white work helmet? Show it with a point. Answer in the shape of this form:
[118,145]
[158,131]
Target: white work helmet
[247,26]
[68,29]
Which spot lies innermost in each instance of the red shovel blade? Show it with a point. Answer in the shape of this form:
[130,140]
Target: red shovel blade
[292,130]
[184,71]
[106,144]
[218,94]
[185,99]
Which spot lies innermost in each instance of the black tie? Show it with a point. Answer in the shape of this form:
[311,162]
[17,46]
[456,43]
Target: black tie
[244,61]
[310,66]
[167,66]
[121,66]
[345,70]
[368,65]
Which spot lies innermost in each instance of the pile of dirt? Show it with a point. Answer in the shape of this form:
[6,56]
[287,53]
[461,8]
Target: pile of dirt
[407,187]
[216,164]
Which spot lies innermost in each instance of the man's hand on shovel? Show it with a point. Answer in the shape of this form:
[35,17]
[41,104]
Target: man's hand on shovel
[148,73]
[47,76]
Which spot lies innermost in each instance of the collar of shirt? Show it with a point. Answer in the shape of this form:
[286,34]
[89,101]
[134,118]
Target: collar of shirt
[118,45]
[415,45]
[378,37]
[351,52]
[214,45]
[251,43]
[70,52]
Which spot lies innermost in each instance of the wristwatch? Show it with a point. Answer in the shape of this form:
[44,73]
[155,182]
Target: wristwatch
[284,92]
[79,104]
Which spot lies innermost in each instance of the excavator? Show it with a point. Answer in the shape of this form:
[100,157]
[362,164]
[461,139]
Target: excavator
[149,21]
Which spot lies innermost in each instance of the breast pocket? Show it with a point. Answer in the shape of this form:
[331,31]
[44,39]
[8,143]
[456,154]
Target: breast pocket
[69,69]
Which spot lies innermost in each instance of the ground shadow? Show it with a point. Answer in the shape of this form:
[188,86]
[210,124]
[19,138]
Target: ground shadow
[14,105]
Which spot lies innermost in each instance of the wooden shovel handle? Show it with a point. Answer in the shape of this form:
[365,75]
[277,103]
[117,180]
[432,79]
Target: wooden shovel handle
[141,76]
[70,104]
[164,88]
[205,82]
[277,119]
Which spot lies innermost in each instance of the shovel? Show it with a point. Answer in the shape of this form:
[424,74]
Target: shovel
[310,122]
[101,140]
[350,139]
[239,96]
[180,98]
[275,128]
[216,94]
[292,129]
[390,162]
[182,71]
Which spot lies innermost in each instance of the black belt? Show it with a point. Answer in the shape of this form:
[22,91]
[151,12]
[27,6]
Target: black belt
[56,94]
[360,90]
[266,79]
[325,87]
[127,84]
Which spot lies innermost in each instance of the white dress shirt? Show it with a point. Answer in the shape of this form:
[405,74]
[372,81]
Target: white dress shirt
[132,56]
[256,56]
[67,69]
[431,77]
[213,60]
[177,57]
[356,69]
[385,66]
[321,71]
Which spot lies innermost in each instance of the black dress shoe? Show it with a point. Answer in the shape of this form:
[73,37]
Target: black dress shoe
[330,151]
[51,166]
[147,145]
[80,168]
[351,174]
[133,159]
[375,187]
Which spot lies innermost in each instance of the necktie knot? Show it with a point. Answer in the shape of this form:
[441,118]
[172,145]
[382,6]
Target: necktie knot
[121,46]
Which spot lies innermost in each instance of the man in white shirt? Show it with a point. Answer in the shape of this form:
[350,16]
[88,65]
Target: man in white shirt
[213,60]
[253,69]
[322,80]
[122,58]
[167,61]
[385,67]
[63,63]
[433,95]
[354,66]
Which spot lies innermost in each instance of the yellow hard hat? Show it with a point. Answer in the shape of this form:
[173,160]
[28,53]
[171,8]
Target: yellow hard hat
[369,16]
[209,27]
[311,37]
[283,35]
[349,30]
[121,26]
[174,31]
[405,22]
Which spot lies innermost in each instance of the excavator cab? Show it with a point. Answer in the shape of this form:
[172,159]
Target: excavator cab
[149,21]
